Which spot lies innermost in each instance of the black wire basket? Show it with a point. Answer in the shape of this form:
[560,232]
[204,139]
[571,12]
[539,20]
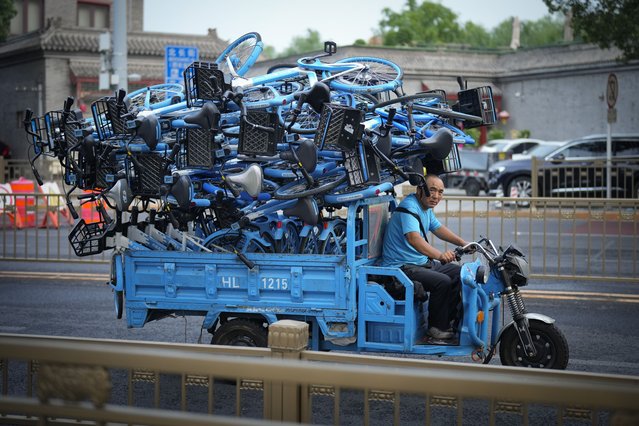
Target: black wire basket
[203,81]
[109,119]
[88,239]
[39,127]
[148,174]
[199,148]
[339,127]
[254,141]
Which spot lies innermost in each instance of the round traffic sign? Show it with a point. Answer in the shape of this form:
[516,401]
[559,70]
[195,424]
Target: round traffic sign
[612,90]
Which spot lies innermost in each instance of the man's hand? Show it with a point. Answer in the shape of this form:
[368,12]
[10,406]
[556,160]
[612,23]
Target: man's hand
[447,256]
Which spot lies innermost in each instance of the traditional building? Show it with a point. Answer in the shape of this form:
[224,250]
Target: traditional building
[556,92]
[53,52]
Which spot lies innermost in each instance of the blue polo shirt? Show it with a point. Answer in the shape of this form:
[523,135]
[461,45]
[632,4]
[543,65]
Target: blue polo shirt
[397,251]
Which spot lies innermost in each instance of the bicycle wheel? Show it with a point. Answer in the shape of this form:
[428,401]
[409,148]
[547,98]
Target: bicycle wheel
[242,54]
[231,240]
[299,188]
[335,243]
[376,75]
[157,96]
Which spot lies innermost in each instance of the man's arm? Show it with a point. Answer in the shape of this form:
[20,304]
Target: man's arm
[443,233]
[418,242]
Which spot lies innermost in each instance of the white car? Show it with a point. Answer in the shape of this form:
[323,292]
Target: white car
[505,148]
[541,150]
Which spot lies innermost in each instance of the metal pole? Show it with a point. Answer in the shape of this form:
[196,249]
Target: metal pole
[609,162]
[119,43]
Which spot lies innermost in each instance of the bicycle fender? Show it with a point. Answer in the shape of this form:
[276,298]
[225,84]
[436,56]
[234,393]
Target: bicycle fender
[531,315]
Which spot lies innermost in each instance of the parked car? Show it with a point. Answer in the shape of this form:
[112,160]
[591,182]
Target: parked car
[540,150]
[576,169]
[503,149]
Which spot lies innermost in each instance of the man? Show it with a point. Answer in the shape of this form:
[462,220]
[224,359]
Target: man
[406,246]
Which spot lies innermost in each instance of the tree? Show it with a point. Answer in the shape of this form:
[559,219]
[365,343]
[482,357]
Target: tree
[428,23]
[304,44]
[7,12]
[604,22]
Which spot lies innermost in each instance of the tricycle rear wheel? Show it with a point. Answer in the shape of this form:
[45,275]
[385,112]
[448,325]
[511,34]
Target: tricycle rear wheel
[550,342]
[241,332]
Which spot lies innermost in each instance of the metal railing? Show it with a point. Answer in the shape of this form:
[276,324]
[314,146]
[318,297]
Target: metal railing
[167,384]
[567,238]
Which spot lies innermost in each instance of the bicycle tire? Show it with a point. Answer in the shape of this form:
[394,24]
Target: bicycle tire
[243,53]
[378,75]
[298,188]
[335,243]
[143,97]
[230,240]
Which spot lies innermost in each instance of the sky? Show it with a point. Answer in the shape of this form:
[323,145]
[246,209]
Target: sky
[342,21]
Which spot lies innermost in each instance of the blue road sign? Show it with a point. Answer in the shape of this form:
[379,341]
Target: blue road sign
[176,60]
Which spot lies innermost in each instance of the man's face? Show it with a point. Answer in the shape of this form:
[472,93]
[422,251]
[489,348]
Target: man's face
[436,188]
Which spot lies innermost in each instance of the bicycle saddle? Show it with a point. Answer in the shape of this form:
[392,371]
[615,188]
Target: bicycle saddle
[149,131]
[316,96]
[121,195]
[305,153]
[250,180]
[439,145]
[208,117]
[306,209]
[181,190]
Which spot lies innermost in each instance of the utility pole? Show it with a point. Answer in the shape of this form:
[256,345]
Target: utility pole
[120,58]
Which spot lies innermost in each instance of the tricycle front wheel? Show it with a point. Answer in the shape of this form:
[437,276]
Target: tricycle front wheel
[550,342]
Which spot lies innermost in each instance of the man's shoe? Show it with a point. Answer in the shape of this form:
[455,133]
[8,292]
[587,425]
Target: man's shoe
[436,333]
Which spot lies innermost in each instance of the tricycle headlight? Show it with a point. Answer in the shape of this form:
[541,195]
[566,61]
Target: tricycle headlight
[481,277]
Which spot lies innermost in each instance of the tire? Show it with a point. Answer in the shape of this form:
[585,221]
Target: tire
[378,75]
[336,241]
[231,240]
[118,299]
[243,53]
[241,332]
[298,189]
[523,184]
[472,187]
[550,342]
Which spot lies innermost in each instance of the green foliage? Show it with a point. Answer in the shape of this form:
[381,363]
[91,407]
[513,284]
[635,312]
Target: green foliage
[304,44]
[604,22]
[473,133]
[268,52]
[496,134]
[524,133]
[432,23]
[428,23]
[7,12]
[360,42]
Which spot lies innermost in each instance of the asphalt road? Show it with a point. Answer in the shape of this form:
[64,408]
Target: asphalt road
[72,299]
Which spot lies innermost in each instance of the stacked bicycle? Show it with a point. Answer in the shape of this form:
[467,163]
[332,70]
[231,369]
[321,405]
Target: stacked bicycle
[244,164]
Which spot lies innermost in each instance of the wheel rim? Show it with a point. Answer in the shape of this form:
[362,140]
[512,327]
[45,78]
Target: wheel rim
[546,352]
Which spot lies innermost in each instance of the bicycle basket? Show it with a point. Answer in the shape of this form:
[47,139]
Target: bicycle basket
[108,119]
[452,163]
[198,148]
[339,127]
[55,131]
[478,102]
[362,166]
[149,175]
[259,142]
[105,173]
[199,78]
[39,127]
[89,238]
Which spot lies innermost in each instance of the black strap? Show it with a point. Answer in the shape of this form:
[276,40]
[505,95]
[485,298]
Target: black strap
[416,216]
